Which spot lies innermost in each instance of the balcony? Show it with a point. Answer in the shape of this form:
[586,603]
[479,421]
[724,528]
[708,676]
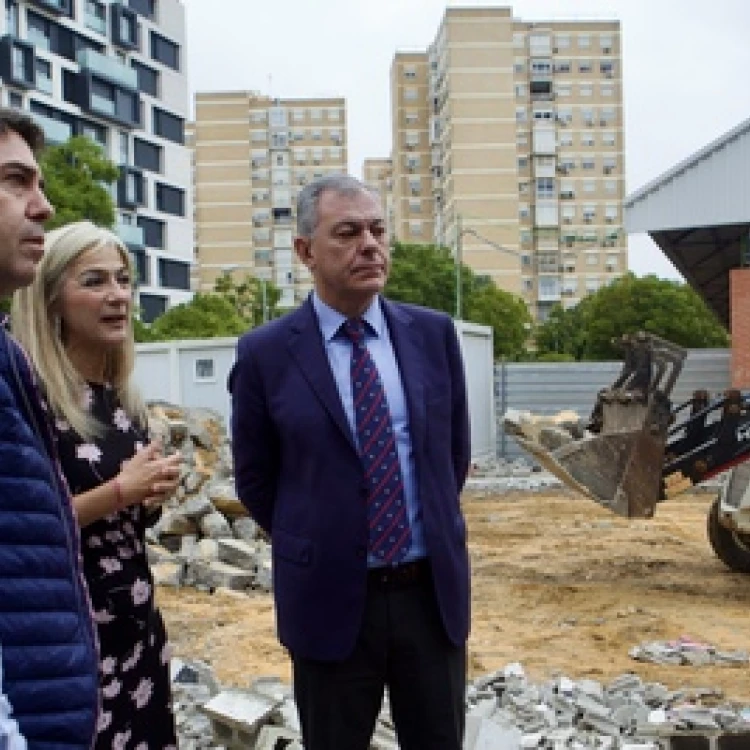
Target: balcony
[130,188]
[131,235]
[17,62]
[55,131]
[59,7]
[94,22]
[109,68]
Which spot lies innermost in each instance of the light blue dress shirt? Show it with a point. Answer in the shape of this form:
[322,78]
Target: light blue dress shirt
[10,737]
[339,351]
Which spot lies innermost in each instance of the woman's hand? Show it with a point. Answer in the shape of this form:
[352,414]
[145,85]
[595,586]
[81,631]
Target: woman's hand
[149,477]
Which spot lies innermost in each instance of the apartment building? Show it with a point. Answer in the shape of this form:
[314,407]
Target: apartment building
[508,146]
[115,72]
[377,173]
[253,154]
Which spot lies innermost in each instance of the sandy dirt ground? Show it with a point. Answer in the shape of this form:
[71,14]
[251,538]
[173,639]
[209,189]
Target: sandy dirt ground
[559,585]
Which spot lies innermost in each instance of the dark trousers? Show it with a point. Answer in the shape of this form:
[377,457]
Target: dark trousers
[402,646]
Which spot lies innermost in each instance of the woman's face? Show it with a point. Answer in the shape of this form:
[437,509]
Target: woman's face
[96,299]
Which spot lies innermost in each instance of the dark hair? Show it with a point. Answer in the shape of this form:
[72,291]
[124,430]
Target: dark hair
[15,121]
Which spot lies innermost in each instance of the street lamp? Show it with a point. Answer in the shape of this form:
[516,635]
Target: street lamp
[460,232]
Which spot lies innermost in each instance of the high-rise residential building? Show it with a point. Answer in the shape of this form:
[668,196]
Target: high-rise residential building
[253,154]
[377,173]
[115,72]
[508,146]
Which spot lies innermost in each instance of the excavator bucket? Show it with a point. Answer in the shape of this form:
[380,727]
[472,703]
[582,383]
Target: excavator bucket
[617,459]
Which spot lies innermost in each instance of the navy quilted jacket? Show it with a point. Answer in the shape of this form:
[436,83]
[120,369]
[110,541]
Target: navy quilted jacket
[48,640]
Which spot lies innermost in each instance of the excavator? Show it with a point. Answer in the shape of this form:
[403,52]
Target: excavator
[638,449]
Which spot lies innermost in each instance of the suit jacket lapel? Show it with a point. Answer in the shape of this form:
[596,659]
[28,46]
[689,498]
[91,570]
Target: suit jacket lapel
[408,344]
[306,348]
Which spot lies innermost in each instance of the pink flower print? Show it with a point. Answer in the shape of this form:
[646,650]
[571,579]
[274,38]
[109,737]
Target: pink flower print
[88,452]
[62,425]
[93,542]
[141,746]
[140,592]
[120,740]
[110,564]
[105,719]
[166,653]
[112,689]
[128,664]
[108,665]
[128,528]
[125,553]
[121,420]
[102,617]
[142,694]
[113,536]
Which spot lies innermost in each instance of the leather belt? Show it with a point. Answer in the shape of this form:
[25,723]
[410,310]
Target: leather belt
[398,576]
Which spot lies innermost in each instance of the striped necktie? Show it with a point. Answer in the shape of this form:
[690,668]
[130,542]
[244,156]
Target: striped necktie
[389,529]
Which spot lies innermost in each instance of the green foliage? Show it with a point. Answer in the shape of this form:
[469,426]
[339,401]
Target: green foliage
[205,316]
[247,298]
[426,275]
[666,308]
[506,314]
[141,332]
[75,174]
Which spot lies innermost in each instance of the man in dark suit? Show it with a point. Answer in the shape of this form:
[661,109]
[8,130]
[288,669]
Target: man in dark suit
[351,446]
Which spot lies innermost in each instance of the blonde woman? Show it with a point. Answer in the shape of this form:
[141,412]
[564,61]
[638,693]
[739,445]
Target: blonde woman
[75,322]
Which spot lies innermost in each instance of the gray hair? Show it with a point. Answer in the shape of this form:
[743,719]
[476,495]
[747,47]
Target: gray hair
[309,198]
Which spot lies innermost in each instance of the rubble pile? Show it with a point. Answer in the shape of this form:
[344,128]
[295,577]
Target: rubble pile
[203,536]
[686,651]
[504,712]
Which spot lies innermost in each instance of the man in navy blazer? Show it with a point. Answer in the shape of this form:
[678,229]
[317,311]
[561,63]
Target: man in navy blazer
[352,624]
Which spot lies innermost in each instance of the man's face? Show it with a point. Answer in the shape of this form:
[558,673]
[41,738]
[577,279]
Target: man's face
[348,253]
[23,210]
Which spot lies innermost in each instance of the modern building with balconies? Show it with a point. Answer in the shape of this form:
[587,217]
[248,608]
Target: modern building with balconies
[115,71]
[510,134]
[253,154]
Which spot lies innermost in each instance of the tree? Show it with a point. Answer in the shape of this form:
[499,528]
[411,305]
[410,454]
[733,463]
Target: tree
[666,308]
[506,314]
[205,316]
[426,275]
[247,298]
[76,175]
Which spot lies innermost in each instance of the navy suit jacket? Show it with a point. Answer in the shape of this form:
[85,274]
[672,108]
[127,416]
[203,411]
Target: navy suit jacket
[299,474]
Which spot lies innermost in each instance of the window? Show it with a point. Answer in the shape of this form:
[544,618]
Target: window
[523,211]
[584,41]
[520,114]
[165,51]
[153,232]
[15,100]
[562,66]
[589,212]
[151,305]
[520,90]
[519,66]
[204,370]
[410,72]
[410,94]
[566,139]
[145,8]
[415,206]
[607,89]
[316,114]
[608,138]
[588,163]
[607,68]
[523,162]
[605,41]
[43,75]
[123,142]
[587,139]
[168,126]
[95,16]
[587,115]
[174,274]
[545,187]
[608,115]
[415,227]
[411,117]
[609,163]
[519,40]
[592,259]
[544,114]
[334,115]
[610,186]
[562,41]
[610,212]
[148,78]
[589,186]
[170,200]
[584,66]
[11,17]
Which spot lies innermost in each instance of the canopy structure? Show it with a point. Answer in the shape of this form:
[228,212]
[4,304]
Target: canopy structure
[698,213]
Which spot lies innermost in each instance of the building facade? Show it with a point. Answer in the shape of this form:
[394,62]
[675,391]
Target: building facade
[508,146]
[253,154]
[377,174]
[115,72]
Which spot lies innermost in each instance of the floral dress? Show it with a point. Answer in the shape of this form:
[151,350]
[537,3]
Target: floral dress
[134,656]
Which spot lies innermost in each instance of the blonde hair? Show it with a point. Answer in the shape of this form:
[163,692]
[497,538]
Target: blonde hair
[37,326]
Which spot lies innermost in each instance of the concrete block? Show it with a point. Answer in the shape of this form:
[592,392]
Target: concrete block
[271,738]
[214,574]
[239,553]
[485,734]
[237,716]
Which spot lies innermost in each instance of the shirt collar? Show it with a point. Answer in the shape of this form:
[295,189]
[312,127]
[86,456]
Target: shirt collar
[330,320]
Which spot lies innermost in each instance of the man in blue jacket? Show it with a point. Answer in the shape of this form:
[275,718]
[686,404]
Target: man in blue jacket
[350,436]
[48,654]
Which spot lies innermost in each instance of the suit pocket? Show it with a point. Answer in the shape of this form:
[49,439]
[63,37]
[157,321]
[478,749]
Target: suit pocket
[291,548]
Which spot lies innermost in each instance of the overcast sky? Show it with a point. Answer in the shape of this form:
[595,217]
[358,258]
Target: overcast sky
[686,67]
